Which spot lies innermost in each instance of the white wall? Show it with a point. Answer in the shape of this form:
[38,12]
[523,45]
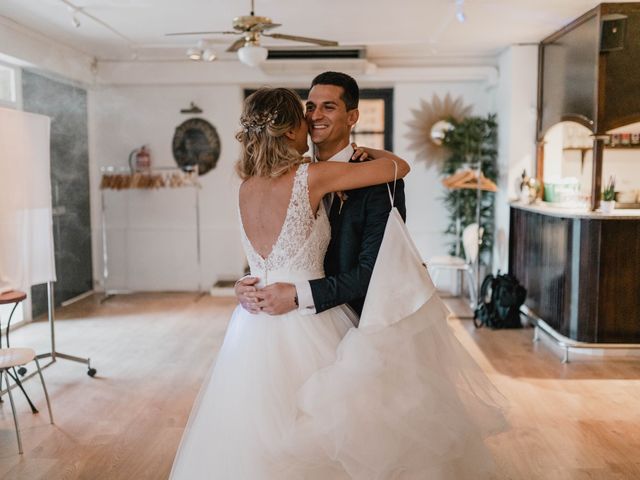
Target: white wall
[427,218]
[152,235]
[28,48]
[124,116]
[515,104]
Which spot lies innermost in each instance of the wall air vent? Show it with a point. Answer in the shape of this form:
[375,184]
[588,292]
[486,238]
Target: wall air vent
[312,60]
[310,53]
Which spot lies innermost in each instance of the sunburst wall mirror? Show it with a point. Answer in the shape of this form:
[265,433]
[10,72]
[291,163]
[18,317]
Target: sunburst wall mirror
[429,124]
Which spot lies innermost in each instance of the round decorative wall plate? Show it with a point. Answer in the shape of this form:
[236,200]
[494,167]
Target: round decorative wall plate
[196,142]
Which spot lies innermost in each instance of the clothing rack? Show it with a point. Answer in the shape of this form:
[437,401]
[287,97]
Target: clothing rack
[471,177]
[119,178]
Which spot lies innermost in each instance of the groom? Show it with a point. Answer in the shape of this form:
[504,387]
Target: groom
[358,217]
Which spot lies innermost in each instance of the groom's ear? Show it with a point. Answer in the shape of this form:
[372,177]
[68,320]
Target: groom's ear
[352,117]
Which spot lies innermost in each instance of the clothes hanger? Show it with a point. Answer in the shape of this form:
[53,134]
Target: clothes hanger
[459,176]
[467,179]
[472,182]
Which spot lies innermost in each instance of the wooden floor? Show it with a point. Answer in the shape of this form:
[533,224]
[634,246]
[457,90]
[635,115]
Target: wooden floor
[152,351]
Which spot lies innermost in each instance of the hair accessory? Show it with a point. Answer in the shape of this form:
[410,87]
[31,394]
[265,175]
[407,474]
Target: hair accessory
[259,122]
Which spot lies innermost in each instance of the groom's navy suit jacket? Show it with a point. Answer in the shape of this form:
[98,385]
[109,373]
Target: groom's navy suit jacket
[356,235]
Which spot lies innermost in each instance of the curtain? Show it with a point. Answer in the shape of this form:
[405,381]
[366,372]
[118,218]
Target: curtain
[26,234]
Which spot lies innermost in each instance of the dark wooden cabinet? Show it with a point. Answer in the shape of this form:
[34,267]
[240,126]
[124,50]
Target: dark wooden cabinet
[582,273]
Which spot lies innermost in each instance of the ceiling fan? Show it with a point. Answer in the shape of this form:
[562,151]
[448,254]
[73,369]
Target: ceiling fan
[252,27]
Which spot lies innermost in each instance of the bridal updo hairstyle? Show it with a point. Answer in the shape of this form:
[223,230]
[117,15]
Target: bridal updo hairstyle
[267,115]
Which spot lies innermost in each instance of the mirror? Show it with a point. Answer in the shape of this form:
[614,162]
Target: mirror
[429,124]
[567,164]
[438,130]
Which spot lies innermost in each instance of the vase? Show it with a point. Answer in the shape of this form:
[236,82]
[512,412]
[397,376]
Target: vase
[607,206]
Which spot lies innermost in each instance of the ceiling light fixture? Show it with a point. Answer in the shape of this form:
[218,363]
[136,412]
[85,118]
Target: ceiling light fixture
[194,54]
[252,54]
[460,16]
[203,51]
[208,55]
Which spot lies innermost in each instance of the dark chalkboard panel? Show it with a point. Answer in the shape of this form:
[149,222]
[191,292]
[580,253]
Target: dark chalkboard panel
[67,106]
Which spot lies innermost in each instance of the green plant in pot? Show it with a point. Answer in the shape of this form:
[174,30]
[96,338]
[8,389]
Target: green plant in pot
[609,196]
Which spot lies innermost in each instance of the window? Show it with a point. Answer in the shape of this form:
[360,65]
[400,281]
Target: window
[375,126]
[8,86]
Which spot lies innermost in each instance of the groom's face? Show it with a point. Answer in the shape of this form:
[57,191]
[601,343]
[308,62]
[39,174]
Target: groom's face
[327,115]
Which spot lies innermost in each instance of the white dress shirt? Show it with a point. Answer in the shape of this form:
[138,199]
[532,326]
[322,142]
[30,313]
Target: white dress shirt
[303,289]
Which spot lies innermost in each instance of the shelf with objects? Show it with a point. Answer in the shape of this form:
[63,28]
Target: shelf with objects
[140,201]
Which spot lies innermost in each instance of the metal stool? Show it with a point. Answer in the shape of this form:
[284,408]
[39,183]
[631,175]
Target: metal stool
[471,236]
[15,297]
[9,359]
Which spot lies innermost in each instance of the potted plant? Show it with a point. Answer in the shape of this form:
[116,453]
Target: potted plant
[471,140]
[608,202]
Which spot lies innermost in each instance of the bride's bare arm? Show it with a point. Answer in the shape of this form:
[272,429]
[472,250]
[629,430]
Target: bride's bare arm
[325,177]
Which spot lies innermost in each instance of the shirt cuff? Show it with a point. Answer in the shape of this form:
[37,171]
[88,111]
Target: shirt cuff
[305,298]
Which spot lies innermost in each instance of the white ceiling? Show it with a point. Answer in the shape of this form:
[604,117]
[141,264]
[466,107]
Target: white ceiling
[401,29]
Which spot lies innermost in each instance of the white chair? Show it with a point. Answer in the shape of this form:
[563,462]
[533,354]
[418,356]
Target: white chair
[470,239]
[15,357]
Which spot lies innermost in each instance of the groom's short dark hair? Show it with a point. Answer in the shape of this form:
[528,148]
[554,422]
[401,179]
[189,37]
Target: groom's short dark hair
[351,92]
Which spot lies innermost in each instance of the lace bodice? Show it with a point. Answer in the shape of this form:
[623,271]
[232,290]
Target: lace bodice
[298,253]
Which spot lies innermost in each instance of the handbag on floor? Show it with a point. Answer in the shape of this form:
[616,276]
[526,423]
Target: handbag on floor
[501,297]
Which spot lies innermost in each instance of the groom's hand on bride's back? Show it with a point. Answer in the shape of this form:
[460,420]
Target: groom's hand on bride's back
[245,289]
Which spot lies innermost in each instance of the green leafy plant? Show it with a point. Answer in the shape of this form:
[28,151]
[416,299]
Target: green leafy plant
[471,141]
[609,192]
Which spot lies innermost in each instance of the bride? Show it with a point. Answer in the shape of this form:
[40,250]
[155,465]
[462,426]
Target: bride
[309,396]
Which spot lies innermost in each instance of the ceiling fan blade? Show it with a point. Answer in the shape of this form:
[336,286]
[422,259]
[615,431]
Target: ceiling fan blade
[260,27]
[237,45]
[199,33]
[295,38]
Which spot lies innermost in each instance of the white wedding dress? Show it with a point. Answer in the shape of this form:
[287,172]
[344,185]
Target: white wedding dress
[310,397]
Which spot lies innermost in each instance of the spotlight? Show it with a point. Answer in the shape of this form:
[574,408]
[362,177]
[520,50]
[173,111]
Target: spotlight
[194,54]
[208,55]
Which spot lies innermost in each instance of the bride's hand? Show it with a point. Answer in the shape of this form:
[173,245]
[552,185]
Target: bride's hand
[360,154]
[245,289]
[277,298]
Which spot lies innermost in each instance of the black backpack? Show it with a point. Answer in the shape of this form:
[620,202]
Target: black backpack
[499,304]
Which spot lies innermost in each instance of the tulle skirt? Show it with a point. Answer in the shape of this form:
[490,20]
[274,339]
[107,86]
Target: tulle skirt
[247,408]
[310,397]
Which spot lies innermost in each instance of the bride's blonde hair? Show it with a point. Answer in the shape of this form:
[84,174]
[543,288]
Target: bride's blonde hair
[267,115]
